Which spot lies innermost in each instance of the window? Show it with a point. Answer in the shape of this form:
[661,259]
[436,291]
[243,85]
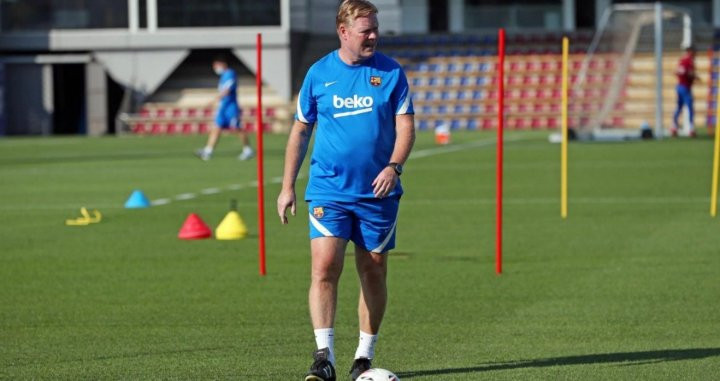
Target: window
[40,15]
[527,14]
[217,13]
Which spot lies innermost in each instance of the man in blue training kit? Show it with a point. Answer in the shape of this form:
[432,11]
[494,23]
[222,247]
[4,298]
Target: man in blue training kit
[228,112]
[361,104]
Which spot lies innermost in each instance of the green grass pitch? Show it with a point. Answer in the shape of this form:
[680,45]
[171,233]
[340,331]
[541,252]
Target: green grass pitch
[627,288]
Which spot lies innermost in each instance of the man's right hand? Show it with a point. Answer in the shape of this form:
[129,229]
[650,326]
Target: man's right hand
[286,199]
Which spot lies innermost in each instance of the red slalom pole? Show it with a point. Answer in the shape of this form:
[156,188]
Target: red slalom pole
[501,115]
[260,170]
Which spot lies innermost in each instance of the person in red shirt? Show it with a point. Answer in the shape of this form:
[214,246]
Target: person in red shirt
[685,73]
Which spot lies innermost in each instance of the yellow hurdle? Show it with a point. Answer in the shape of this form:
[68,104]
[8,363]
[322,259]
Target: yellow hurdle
[716,159]
[564,126]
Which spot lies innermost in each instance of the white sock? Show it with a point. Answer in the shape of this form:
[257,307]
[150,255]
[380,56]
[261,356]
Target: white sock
[366,346]
[208,150]
[325,338]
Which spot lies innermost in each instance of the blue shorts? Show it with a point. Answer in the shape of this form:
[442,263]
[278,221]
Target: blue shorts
[228,117]
[369,223]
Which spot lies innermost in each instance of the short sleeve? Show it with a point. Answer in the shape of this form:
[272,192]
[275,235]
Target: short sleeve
[228,80]
[401,98]
[306,104]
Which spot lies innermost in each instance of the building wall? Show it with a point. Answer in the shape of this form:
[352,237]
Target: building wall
[139,51]
[26,100]
[3,115]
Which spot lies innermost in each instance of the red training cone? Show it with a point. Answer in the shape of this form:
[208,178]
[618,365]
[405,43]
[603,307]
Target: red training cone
[194,228]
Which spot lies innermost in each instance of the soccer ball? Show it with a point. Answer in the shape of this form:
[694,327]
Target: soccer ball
[377,374]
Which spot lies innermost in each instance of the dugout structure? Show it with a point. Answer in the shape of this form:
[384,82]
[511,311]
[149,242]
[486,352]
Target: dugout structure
[651,34]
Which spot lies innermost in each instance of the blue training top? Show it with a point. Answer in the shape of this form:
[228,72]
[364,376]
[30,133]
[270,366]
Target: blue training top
[355,108]
[228,80]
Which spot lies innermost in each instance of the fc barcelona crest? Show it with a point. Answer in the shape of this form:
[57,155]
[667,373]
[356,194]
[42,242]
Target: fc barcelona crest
[318,212]
[375,81]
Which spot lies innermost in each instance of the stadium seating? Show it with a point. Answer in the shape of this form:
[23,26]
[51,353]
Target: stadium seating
[455,82]
[161,119]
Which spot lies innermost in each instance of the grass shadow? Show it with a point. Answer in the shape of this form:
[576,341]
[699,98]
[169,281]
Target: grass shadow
[623,358]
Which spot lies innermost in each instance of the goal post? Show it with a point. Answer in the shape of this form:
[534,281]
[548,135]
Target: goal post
[623,81]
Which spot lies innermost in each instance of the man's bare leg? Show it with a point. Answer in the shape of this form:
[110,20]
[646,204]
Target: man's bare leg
[328,255]
[247,151]
[213,138]
[372,269]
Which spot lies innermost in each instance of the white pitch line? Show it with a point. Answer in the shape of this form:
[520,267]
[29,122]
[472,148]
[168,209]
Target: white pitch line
[235,186]
[185,196]
[457,147]
[278,179]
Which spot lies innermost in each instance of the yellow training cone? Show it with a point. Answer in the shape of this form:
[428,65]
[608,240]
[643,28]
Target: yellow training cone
[231,227]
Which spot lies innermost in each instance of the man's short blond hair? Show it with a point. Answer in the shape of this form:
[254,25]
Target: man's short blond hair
[352,9]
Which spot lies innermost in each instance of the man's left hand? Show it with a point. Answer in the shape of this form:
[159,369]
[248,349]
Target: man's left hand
[385,182]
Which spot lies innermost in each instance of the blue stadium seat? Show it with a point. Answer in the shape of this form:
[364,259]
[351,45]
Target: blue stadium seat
[445,39]
[423,67]
[415,40]
[477,94]
[455,124]
[427,109]
[472,124]
[423,124]
[458,109]
[442,109]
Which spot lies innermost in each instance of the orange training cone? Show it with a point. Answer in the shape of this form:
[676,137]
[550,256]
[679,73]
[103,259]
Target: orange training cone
[442,134]
[194,228]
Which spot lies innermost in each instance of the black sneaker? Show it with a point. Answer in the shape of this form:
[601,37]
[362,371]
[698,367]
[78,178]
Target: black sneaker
[359,366]
[321,369]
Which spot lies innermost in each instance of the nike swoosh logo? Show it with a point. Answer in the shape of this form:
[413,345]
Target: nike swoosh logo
[330,83]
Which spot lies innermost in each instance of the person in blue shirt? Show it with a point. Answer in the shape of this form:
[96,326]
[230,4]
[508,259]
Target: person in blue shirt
[359,102]
[228,114]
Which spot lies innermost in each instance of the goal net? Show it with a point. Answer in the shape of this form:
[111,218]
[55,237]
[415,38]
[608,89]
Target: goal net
[625,82]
